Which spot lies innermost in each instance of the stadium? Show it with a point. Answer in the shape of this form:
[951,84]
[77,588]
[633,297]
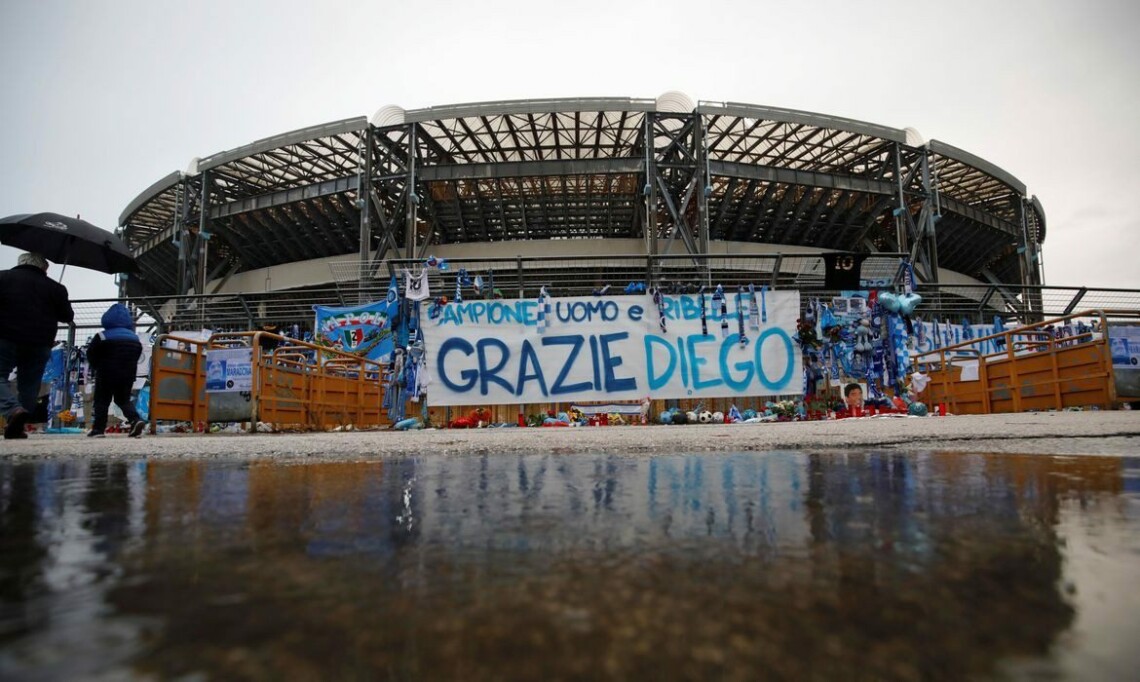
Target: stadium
[577,194]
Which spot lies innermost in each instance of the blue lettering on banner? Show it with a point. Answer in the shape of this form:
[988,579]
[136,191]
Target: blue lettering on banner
[781,383]
[614,384]
[657,381]
[529,358]
[749,368]
[488,375]
[696,361]
[575,343]
[470,376]
[490,312]
[597,370]
[689,308]
[585,311]
[489,352]
[689,357]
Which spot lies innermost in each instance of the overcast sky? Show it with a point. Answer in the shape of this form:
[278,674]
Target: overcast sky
[100,99]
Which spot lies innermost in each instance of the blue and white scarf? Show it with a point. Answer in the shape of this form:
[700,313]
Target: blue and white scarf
[754,309]
[659,300]
[740,306]
[704,320]
[719,294]
[543,310]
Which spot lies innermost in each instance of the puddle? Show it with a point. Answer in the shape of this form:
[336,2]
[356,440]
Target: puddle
[711,566]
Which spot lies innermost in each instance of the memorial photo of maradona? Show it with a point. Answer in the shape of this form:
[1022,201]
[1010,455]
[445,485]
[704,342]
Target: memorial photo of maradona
[216,375]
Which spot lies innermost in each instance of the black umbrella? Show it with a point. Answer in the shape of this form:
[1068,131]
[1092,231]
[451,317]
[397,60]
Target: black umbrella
[69,241]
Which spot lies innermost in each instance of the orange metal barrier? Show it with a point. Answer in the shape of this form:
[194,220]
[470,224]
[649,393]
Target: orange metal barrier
[1035,371]
[178,381]
[297,384]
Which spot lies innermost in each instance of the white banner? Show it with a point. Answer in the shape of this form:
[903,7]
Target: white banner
[1124,343]
[229,370]
[491,352]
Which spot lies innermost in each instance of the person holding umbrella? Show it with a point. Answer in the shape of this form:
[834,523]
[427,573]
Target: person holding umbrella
[32,306]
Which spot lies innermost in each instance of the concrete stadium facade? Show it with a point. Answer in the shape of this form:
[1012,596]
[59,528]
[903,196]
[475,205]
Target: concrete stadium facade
[576,178]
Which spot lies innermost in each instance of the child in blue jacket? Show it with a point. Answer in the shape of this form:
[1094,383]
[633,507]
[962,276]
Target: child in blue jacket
[114,356]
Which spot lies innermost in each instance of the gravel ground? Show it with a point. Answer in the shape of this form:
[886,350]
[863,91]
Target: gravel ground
[1064,433]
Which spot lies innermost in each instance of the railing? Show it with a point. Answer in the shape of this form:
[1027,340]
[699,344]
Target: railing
[354,282]
[1034,370]
[1024,304]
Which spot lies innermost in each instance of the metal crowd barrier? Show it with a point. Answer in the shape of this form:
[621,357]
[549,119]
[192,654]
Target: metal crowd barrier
[1034,370]
[296,384]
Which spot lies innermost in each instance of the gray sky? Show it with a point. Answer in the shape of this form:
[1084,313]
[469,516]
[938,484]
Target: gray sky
[100,99]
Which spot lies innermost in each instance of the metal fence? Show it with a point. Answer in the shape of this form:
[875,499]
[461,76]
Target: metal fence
[522,277]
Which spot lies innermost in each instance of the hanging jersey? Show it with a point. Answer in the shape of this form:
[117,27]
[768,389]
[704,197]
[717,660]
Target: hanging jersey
[416,286]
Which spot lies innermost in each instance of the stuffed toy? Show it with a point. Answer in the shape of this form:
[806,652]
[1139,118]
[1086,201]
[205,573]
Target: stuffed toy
[409,424]
[472,420]
[864,337]
[562,419]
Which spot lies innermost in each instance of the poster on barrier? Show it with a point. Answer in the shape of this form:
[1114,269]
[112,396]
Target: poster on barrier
[1124,344]
[229,370]
[614,348]
[364,330]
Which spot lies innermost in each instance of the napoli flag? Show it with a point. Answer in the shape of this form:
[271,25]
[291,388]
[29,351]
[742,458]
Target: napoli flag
[393,291]
[363,330]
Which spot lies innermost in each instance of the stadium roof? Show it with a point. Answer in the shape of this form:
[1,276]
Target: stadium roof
[577,168]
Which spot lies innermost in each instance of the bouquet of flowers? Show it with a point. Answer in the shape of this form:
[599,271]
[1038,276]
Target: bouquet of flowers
[784,409]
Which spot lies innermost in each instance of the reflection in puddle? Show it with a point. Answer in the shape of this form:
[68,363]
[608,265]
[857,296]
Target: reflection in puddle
[734,566]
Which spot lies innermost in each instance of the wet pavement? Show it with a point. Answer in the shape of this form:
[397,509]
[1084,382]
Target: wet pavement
[749,565]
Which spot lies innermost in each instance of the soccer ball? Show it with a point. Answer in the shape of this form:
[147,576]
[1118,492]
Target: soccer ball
[680,418]
[718,417]
[693,417]
[705,417]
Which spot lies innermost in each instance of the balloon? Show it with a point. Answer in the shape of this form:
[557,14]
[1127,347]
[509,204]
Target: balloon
[908,302]
[889,301]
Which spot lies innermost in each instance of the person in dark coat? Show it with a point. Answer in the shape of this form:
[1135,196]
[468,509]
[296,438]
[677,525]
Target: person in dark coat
[32,306]
[114,358]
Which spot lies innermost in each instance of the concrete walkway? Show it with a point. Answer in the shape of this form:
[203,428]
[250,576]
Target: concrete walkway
[1065,433]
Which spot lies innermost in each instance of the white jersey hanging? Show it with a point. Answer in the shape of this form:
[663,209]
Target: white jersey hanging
[416,286]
